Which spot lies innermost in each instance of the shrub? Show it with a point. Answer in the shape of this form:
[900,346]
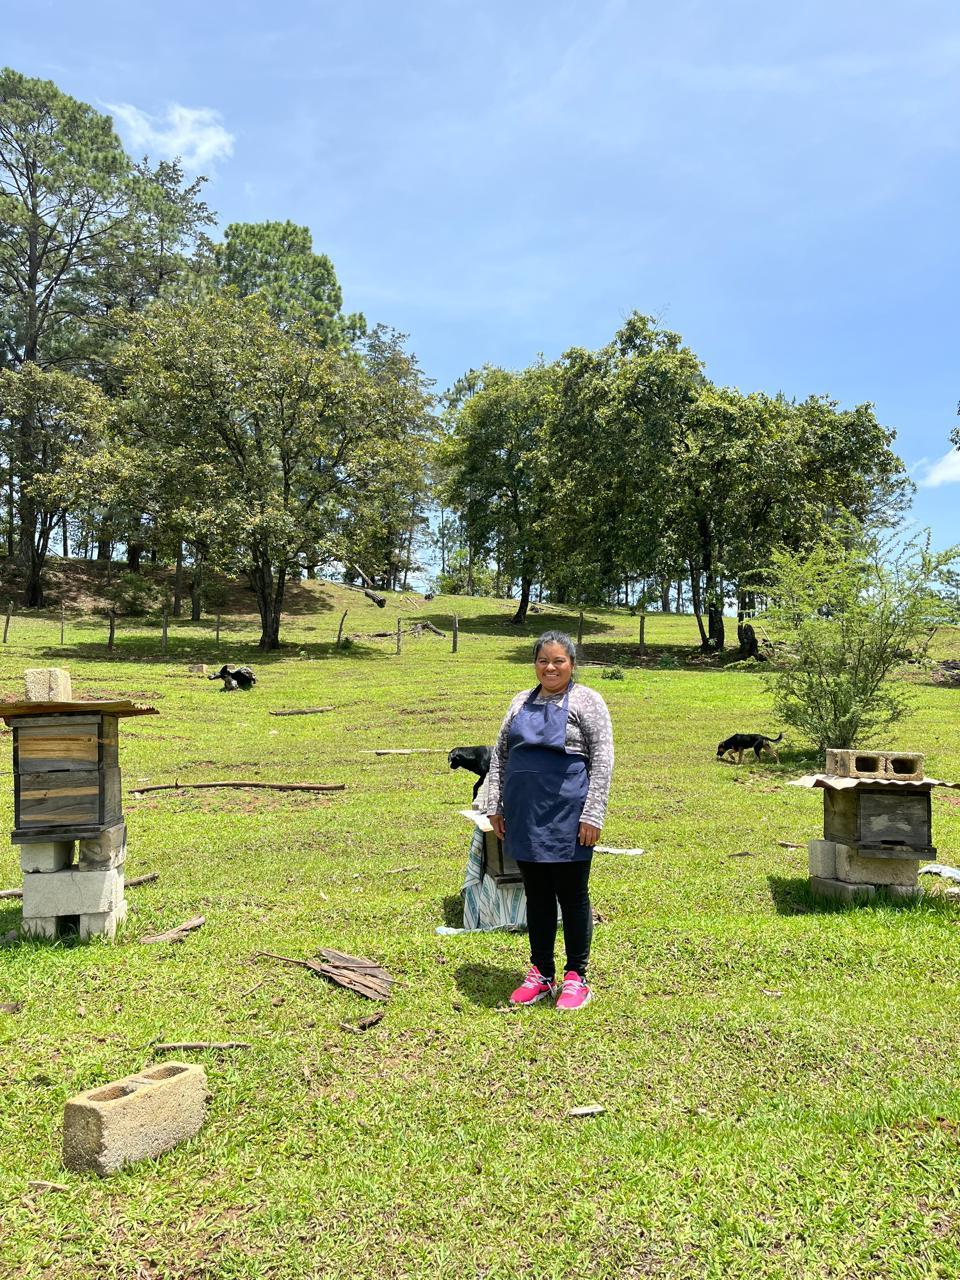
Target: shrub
[611,673]
[846,612]
[133,595]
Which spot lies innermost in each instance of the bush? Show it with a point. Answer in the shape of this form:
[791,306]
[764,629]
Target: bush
[846,612]
[133,595]
[611,673]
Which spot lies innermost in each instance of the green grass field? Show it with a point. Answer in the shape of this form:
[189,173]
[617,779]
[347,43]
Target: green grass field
[779,1078]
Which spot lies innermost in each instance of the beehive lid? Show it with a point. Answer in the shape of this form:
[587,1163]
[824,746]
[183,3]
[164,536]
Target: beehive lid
[110,707]
[834,783]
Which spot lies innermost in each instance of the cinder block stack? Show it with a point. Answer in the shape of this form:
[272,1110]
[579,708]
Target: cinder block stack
[875,835]
[69,819]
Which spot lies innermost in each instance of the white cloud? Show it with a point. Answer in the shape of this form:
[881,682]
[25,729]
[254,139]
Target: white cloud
[945,470]
[195,134]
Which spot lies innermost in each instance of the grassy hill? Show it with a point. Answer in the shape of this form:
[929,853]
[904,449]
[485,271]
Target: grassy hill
[778,1077]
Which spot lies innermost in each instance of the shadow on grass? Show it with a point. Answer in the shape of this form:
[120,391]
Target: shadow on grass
[792,896]
[453,911]
[500,624]
[238,653]
[485,984]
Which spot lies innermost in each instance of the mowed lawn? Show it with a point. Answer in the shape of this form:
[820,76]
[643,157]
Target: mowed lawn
[780,1080]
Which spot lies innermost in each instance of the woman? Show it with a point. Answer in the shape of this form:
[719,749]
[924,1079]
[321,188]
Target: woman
[548,786]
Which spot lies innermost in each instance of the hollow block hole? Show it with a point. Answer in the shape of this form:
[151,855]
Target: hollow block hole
[867,764]
[162,1073]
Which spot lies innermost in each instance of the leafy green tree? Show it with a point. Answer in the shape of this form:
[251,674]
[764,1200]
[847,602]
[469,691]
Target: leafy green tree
[66,416]
[276,261]
[497,468]
[846,612]
[80,228]
[271,436]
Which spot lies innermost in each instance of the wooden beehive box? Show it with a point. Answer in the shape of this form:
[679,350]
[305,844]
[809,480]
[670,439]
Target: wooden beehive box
[498,864]
[880,821]
[66,768]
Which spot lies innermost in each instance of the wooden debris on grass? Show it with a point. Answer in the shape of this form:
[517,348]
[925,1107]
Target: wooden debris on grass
[39,1184]
[787,844]
[303,711]
[744,853]
[11,893]
[403,751]
[147,879]
[178,934]
[256,786]
[12,1006]
[395,871]
[581,1113]
[364,1024]
[353,972]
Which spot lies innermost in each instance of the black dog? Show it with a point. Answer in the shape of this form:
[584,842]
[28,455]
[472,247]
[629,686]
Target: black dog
[235,678]
[741,742]
[476,759]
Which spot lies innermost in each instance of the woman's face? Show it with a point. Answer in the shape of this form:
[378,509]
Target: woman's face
[554,668]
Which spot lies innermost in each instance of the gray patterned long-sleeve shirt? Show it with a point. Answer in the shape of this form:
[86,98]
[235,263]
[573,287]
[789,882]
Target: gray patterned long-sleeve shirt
[589,734]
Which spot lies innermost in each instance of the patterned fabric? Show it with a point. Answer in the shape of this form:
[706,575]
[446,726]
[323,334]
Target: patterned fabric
[589,734]
[487,905]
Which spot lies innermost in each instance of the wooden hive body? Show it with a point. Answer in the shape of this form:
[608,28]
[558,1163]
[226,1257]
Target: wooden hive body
[880,821]
[66,775]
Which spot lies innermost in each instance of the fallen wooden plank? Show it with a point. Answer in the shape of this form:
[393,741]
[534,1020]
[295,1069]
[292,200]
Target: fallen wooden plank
[147,879]
[194,1046]
[178,934]
[580,1113]
[303,711]
[261,786]
[38,1184]
[403,751]
[11,893]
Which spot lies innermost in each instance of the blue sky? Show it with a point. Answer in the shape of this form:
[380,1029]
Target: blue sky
[778,183]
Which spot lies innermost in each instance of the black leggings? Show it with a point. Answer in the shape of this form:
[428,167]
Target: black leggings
[566,883]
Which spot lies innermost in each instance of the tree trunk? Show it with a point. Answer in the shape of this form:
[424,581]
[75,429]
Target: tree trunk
[269,595]
[697,604]
[178,583]
[521,615]
[104,549]
[134,554]
[66,538]
[196,589]
[665,595]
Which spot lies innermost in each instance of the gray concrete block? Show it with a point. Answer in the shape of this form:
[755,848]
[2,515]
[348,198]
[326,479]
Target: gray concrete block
[71,893]
[840,890]
[198,668]
[854,869]
[135,1118]
[848,762]
[47,684]
[41,927]
[51,855]
[907,766]
[903,892]
[102,924]
[108,849]
[822,857]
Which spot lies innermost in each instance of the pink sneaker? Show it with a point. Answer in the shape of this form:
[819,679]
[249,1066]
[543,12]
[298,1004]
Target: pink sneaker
[534,987]
[575,993]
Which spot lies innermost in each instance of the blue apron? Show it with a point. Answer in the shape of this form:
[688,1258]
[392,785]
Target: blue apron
[544,788]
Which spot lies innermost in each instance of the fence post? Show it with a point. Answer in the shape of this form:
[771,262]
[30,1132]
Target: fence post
[580,630]
[398,635]
[113,630]
[6,624]
[340,628]
[456,634]
[643,646]
[218,631]
[163,637]
[61,624]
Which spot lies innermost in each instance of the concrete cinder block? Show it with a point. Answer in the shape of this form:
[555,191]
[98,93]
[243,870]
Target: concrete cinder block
[135,1118]
[71,893]
[903,892]
[50,855]
[840,890]
[854,869]
[198,668]
[41,927]
[108,849]
[848,762]
[905,765]
[102,924]
[822,856]
[47,684]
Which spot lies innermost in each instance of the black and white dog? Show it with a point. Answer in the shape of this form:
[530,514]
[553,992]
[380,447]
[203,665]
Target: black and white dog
[476,759]
[235,678]
[741,742]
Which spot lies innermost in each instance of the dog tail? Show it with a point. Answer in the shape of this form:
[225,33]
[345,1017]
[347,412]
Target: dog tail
[777,738]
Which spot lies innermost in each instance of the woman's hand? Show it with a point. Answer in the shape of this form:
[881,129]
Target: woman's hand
[587,835]
[496,821]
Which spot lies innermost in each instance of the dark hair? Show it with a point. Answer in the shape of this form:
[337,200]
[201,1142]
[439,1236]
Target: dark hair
[556,637]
